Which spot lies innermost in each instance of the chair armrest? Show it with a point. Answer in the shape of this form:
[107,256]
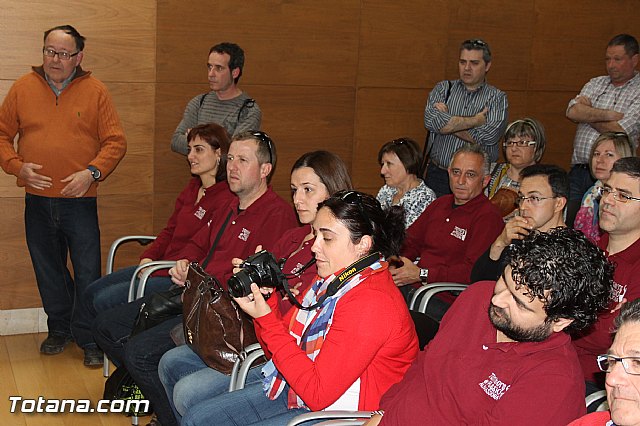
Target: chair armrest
[417,295]
[318,415]
[430,292]
[597,397]
[149,268]
[242,365]
[142,239]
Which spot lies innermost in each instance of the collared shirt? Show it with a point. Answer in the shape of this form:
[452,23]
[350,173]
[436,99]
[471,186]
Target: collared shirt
[65,83]
[414,201]
[604,95]
[465,103]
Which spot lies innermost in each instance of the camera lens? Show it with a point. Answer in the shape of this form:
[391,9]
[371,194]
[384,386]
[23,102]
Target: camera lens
[240,282]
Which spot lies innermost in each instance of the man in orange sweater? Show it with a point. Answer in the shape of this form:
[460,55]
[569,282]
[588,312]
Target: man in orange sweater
[69,138]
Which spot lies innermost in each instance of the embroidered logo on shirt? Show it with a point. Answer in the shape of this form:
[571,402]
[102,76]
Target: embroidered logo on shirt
[200,213]
[297,268]
[618,292]
[459,233]
[494,387]
[244,234]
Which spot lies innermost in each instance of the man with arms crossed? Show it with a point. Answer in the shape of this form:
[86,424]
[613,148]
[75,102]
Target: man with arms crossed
[609,103]
[459,112]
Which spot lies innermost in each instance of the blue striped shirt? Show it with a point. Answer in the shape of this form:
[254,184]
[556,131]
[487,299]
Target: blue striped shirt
[464,103]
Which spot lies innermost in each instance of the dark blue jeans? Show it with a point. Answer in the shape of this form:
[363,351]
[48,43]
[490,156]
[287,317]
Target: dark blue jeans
[579,181]
[105,293]
[140,354]
[438,180]
[55,229]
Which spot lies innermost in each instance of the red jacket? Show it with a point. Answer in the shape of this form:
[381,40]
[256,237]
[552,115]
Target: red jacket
[372,338]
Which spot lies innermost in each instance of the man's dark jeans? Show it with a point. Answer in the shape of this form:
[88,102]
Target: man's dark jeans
[56,228]
[140,354]
[438,180]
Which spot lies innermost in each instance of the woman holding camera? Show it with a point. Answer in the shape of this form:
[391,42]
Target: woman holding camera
[348,351]
[314,177]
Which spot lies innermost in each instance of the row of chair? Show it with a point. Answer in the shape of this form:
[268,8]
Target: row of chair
[253,354]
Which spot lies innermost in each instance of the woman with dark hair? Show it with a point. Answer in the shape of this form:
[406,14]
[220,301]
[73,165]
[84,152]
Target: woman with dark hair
[314,177]
[609,147]
[354,340]
[523,145]
[400,166]
[196,205]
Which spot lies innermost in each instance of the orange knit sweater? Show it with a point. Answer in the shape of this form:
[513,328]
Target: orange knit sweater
[64,134]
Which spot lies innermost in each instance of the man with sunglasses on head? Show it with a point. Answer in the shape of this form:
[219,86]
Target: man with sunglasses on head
[257,216]
[620,219]
[609,103]
[69,138]
[622,365]
[225,105]
[467,110]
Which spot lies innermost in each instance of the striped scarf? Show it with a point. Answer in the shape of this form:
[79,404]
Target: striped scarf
[309,328]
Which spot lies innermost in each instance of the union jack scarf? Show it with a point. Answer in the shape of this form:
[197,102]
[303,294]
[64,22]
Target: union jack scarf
[309,328]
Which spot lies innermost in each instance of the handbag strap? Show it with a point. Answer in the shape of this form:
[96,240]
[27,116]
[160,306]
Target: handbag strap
[215,242]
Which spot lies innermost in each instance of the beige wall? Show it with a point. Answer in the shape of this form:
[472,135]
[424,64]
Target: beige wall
[342,75]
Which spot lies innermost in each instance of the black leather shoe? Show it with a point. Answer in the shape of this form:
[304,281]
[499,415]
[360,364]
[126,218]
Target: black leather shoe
[54,344]
[93,357]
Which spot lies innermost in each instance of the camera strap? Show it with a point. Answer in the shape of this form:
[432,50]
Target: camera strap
[335,285]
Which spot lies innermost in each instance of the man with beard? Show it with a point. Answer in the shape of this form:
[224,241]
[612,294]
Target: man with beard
[503,354]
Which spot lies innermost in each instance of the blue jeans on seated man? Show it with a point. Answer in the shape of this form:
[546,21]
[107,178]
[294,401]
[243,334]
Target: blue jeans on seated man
[140,354]
[105,293]
[248,406]
[57,228]
[188,381]
[437,179]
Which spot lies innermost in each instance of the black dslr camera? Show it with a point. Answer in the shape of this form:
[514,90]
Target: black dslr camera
[262,269]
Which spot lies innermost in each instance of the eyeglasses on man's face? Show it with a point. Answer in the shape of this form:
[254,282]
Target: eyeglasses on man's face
[617,195]
[534,199]
[521,143]
[264,138]
[63,56]
[631,364]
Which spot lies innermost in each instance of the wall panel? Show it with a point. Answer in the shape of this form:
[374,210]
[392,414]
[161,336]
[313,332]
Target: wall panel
[120,51]
[339,75]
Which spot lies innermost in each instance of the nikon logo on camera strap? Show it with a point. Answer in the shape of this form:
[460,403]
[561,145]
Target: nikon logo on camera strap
[351,270]
[337,283]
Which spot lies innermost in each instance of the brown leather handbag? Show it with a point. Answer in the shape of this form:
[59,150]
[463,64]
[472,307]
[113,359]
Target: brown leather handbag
[214,326]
